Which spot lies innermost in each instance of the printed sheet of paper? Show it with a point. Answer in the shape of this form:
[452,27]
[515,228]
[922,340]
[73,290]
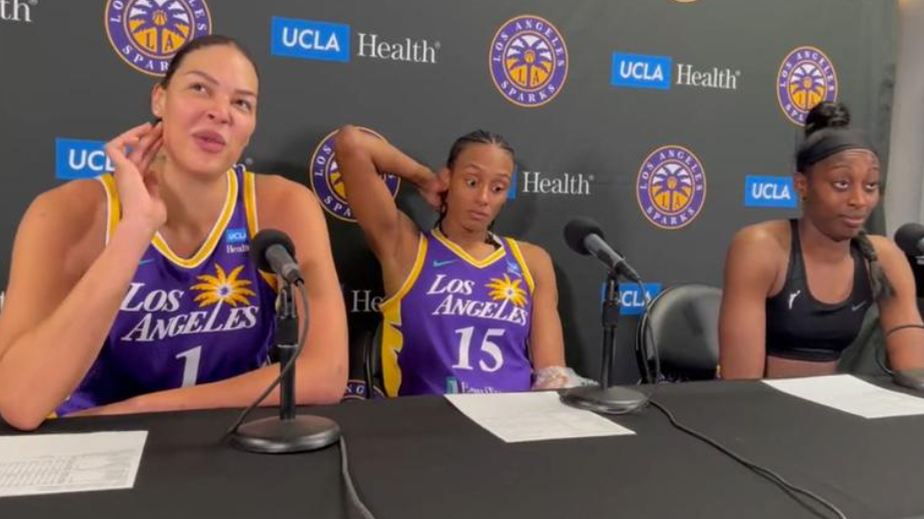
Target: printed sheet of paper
[520,417]
[56,463]
[851,395]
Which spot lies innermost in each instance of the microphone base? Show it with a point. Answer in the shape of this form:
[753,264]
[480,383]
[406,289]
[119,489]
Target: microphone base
[276,436]
[611,400]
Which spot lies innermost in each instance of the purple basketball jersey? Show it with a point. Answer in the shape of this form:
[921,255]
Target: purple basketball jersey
[459,325]
[186,321]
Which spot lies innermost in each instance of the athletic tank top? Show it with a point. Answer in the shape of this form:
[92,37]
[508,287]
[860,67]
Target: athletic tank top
[800,327]
[459,325]
[186,321]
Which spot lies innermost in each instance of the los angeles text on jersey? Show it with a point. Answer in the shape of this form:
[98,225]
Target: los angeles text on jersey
[455,302]
[159,315]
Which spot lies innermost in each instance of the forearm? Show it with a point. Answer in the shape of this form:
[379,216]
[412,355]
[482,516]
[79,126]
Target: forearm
[907,354]
[366,155]
[744,366]
[314,385]
[61,348]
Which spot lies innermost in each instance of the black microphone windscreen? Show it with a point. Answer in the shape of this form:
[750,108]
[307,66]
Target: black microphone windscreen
[264,240]
[908,237]
[577,230]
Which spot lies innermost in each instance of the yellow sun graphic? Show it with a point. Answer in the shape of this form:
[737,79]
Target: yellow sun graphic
[507,290]
[223,289]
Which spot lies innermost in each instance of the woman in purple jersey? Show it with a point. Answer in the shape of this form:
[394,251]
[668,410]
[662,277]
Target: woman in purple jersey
[68,285]
[796,291]
[451,323]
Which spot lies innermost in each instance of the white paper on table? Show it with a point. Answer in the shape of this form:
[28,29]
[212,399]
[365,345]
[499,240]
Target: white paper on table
[851,395]
[56,463]
[520,417]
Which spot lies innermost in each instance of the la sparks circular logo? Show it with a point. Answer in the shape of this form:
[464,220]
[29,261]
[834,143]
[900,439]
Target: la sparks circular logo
[671,187]
[147,33]
[327,182]
[806,78]
[528,60]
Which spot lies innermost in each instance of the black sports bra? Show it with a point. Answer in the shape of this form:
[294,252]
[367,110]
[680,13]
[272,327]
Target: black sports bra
[800,327]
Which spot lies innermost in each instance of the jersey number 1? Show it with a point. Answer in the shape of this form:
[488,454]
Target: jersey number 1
[191,365]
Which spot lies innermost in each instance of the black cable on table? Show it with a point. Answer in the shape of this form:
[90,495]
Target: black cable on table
[789,488]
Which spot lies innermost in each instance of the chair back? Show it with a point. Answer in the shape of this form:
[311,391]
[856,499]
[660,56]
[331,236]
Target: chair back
[684,326]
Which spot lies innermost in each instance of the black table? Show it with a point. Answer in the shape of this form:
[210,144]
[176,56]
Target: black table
[420,458]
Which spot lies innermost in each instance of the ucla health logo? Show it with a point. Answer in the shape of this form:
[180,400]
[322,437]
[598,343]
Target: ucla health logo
[147,33]
[528,61]
[769,191]
[327,182]
[78,158]
[308,39]
[326,41]
[658,72]
[806,78]
[671,187]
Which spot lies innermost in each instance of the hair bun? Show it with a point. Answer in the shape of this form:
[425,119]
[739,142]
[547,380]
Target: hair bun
[827,114]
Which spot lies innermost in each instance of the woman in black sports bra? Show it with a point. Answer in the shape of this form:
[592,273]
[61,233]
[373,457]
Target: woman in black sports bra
[796,291]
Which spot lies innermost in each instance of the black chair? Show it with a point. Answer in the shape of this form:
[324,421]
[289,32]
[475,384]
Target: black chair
[372,364]
[684,325]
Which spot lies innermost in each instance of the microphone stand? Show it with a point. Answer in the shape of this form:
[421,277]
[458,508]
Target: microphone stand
[289,432]
[605,398]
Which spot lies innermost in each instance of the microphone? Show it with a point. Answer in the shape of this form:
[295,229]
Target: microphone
[910,239]
[273,251]
[584,236]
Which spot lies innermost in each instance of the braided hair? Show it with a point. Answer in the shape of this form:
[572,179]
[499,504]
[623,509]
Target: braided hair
[827,131]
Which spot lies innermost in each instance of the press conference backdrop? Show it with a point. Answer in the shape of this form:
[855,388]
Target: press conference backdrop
[672,123]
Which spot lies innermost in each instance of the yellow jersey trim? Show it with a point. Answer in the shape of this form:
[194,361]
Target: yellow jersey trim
[392,344]
[392,338]
[515,249]
[250,203]
[253,224]
[214,235]
[459,251]
[113,208]
[422,246]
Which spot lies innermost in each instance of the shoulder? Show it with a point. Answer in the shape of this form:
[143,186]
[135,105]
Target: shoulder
[758,257]
[67,222]
[762,248]
[532,253]
[538,261]
[272,189]
[76,205]
[280,200]
[887,251]
[771,236]
[884,245]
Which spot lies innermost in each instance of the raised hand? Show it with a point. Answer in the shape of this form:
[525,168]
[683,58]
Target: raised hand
[434,188]
[138,189]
